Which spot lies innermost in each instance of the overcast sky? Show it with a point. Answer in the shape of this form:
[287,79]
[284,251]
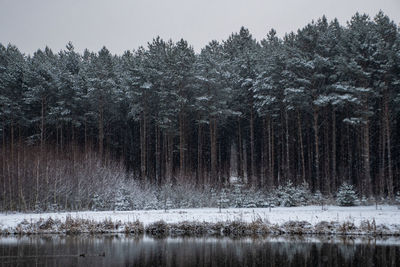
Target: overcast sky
[125,25]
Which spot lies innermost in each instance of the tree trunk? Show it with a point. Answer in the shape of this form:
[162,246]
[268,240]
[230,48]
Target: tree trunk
[388,150]
[240,152]
[85,137]
[143,157]
[252,163]
[213,146]
[200,156]
[327,173]
[245,162]
[349,156]
[310,157]
[10,192]
[282,151]
[12,145]
[4,167]
[101,130]
[61,138]
[366,159]
[165,157]
[303,166]
[169,157]
[316,155]
[263,151]
[381,183]
[287,169]
[19,167]
[158,155]
[220,167]
[11,171]
[334,176]
[37,182]
[182,145]
[42,129]
[272,150]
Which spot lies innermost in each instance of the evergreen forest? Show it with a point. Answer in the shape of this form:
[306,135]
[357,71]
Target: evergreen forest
[320,106]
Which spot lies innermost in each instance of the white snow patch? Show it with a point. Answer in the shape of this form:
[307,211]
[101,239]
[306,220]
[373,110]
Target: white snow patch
[386,215]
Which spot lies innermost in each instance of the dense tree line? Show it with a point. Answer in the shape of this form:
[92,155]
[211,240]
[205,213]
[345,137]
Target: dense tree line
[319,106]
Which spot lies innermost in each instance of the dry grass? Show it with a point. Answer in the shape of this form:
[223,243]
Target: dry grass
[237,228]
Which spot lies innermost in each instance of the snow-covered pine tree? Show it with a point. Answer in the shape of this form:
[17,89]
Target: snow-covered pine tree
[287,195]
[312,75]
[242,52]
[97,202]
[237,196]
[63,113]
[166,197]
[268,95]
[102,92]
[212,96]
[249,200]
[122,200]
[223,201]
[168,204]
[360,44]
[385,61]
[151,204]
[303,194]
[346,196]
[318,198]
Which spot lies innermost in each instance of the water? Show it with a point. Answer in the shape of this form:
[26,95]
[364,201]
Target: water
[121,250]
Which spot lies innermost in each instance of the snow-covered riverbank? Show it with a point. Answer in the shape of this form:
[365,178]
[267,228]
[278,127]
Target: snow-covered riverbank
[332,219]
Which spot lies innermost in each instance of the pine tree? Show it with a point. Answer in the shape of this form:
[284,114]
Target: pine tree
[101,93]
[122,200]
[242,51]
[268,99]
[97,202]
[64,113]
[346,195]
[211,102]
[223,200]
[384,61]
[40,95]
[287,195]
[237,196]
[183,59]
[359,42]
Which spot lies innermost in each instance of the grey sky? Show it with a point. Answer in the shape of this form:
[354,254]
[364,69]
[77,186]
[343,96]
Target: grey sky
[124,25]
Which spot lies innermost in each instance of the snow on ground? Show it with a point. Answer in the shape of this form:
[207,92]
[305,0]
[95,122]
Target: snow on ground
[386,215]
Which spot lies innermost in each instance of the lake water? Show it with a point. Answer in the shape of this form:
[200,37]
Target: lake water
[121,250]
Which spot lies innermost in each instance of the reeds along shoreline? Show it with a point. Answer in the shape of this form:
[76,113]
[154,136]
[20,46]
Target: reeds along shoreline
[224,228]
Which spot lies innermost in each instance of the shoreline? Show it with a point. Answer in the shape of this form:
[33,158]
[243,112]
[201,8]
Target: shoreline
[307,220]
[202,229]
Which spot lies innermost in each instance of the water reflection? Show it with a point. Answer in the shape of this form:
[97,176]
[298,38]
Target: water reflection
[119,250]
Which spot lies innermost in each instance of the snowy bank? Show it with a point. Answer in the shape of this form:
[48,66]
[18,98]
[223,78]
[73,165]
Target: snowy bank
[234,221]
